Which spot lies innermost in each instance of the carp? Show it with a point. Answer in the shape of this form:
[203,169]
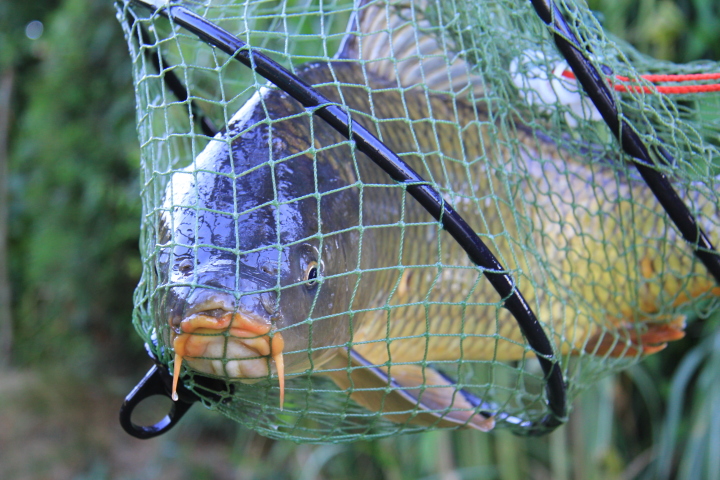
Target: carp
[282,250]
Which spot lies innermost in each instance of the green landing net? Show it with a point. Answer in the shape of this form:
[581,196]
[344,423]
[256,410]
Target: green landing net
[532,168]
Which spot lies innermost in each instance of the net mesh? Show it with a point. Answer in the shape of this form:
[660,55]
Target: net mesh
[298,224]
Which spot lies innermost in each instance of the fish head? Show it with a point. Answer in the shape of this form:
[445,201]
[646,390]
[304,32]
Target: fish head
[249,284]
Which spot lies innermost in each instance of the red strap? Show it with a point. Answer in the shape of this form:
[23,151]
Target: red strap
[670,90]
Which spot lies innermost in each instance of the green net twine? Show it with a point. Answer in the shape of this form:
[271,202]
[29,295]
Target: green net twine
[513,145]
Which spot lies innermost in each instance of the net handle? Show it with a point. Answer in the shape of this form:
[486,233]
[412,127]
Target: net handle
[399,171]
[157,382]
[602,97]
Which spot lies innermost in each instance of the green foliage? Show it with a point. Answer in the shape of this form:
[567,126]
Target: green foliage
[74,224]
[74,190]
[677,30]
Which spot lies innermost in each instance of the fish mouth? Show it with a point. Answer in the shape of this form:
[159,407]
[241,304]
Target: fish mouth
[227,343]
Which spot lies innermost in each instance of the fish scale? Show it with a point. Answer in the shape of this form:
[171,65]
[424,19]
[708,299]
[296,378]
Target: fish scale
[583,234]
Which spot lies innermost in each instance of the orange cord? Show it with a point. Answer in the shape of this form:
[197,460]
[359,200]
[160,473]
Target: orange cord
[669,90]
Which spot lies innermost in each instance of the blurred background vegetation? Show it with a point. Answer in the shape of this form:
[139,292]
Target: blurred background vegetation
[69,221]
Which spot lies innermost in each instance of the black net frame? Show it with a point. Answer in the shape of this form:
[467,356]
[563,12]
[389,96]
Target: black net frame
[593,83]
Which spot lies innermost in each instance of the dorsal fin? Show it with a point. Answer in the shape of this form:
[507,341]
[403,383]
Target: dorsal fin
[393,40]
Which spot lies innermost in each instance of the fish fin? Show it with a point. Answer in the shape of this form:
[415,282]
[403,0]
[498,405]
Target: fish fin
[652,338]
[413,394]
[396,43]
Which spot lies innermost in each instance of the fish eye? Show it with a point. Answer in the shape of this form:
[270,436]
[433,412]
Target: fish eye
[185,266]
[311,275]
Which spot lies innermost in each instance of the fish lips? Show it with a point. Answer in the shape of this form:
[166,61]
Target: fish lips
[218,336]
[184,302]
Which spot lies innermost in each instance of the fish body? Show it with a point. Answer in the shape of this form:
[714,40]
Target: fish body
[283,250]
